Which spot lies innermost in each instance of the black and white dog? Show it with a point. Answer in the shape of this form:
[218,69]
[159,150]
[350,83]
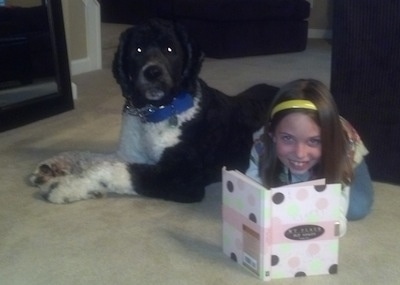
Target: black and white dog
[177,132]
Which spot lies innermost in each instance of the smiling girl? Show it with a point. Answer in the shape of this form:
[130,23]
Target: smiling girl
[306,139]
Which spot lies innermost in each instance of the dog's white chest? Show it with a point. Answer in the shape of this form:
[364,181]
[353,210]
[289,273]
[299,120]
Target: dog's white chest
[145,142]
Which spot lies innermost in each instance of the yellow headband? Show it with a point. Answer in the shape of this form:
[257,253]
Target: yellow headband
[293,104]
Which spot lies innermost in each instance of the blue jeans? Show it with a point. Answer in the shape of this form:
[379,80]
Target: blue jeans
[361,193]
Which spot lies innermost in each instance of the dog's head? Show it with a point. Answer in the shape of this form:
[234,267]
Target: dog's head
[155,61]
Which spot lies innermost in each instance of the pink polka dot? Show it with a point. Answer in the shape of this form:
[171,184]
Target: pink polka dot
[294,262]
[268,237]
[313,249]
[302,194]
[322,204]
[251,200]
[276,222]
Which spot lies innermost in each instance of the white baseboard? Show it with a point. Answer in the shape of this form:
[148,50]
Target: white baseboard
[319,34]
[81,65]
[93,40]
[74,89]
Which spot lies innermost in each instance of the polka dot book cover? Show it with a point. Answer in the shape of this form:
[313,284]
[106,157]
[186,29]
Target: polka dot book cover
[290,231]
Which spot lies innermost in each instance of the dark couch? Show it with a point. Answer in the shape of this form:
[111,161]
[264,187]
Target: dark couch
[224,28]
[365,78]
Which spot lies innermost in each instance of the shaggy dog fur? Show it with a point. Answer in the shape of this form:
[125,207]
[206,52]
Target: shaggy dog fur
[177,132]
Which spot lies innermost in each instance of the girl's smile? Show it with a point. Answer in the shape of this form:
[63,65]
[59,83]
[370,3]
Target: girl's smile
[299,166]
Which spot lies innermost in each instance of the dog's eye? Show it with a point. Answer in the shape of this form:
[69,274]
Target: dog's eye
[169,49]
[139,50]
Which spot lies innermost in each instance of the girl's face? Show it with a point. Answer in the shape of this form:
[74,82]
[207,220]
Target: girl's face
[298,142]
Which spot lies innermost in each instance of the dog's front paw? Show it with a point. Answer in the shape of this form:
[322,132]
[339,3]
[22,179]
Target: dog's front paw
[67,189]
[74,176]
[44,173]
[58,186]
[59,165]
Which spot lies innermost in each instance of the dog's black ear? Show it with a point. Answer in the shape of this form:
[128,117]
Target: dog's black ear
[194,56]
[119,62]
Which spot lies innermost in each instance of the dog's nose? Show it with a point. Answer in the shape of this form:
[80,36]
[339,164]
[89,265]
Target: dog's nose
[153,72]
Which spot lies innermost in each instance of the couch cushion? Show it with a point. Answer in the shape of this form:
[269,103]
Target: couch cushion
[235,39]
[225,10]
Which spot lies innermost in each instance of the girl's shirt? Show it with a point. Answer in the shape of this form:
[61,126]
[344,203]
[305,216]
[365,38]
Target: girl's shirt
[357,151]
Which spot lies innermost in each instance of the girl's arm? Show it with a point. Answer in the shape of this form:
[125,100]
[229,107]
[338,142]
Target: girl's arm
[256,151]
[344,206]
[252,171]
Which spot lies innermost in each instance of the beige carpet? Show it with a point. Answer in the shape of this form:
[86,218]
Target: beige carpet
[125,240]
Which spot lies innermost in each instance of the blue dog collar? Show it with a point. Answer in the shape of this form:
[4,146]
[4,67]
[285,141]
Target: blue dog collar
[155,114]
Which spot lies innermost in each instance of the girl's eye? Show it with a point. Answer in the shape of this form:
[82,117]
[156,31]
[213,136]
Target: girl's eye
[287,139]
[314,142]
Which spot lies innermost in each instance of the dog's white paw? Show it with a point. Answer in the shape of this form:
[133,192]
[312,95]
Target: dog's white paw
[74,176]
[44,174]
[59,165]
[67,189]
[58,180]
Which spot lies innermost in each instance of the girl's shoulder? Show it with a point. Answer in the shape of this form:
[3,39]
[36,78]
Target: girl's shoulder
[351,132]
[357,149]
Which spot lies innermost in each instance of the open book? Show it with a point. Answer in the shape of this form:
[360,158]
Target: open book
[290,231]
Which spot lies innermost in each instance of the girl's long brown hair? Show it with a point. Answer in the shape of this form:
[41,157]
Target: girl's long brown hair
[335,164]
